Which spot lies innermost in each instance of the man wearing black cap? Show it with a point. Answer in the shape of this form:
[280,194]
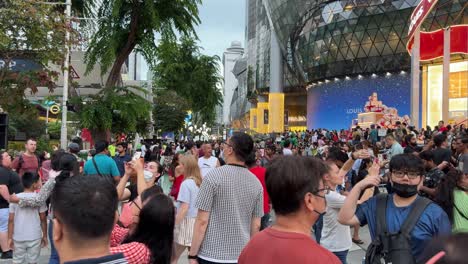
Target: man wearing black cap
[101,164]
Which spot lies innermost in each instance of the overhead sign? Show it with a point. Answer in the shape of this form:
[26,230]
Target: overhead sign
[73,73]
[420,13]
[55,109]
[20,65]
[432,43]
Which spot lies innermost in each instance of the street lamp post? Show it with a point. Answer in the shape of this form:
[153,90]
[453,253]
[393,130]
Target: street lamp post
[66,64]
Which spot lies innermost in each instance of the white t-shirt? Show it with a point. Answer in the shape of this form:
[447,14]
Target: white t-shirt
[188,194]
[287,152]
[206,165]
[335,236]
[27,222]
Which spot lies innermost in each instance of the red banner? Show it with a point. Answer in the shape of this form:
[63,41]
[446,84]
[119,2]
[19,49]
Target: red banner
[419,14]
[432,43]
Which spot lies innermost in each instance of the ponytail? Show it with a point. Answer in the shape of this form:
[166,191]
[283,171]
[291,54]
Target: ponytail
[64,174]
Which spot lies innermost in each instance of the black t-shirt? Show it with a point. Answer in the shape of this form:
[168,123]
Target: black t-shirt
[440,155]
[410,149]
[12,181]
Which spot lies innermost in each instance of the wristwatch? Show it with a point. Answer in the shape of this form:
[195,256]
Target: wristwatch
[192,257]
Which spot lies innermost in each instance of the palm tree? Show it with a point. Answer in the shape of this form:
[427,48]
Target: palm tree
[124,25]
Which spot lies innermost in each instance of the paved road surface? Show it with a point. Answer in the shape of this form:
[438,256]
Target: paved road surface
[354,257]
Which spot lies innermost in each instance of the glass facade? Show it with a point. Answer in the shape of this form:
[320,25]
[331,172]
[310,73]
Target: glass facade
[457,91]
[323,39]
[239,104]
[258,44]
[325,42]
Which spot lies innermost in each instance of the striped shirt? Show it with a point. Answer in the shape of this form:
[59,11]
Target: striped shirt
[460,211]
[233,196]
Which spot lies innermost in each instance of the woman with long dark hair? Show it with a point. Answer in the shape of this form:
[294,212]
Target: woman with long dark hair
[151,240]
[452,196]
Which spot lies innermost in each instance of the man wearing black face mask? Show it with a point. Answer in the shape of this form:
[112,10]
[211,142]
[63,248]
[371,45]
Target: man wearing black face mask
[407,172]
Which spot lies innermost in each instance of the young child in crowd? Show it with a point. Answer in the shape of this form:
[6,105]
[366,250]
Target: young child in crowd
[27,226]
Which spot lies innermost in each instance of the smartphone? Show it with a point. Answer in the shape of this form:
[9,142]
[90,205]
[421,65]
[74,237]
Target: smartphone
[137,155]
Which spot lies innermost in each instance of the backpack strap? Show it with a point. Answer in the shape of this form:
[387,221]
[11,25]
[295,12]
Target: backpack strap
[420,205]
[96,167]
[20,162]
[459,211]
[381,221]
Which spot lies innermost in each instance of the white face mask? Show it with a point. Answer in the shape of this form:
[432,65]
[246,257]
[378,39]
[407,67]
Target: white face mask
[148,175]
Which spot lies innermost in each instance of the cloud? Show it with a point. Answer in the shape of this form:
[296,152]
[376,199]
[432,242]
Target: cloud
[222,21]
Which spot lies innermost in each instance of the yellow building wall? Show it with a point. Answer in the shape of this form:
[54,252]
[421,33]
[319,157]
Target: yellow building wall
[262,124]
[253,119]
[276,112]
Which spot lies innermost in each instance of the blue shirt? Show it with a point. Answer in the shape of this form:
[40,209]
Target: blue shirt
[434,221]
[120,161]
[396,149]
[105,164]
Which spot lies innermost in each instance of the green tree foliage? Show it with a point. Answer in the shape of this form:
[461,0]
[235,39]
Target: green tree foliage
[124,25]
[36,32]
[181,68]
[116,109]
[169,111]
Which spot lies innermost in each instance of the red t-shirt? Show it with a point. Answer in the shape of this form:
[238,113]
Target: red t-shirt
[176,186]
[30,164]
[273,246]
[443,129]
[260,173]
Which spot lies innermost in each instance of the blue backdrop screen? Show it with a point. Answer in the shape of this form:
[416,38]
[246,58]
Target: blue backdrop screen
[334,105]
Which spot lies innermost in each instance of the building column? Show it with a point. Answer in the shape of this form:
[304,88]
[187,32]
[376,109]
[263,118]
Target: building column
[253,119]
[415,78]
[446,76]
[276,95]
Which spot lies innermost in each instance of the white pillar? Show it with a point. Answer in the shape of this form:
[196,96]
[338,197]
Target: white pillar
[66,65]
[415,79]
[446,76]
[276,65]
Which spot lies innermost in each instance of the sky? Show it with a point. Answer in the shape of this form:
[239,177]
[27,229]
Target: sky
[222,21]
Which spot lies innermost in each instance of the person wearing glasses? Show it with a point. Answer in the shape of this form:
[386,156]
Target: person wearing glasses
[288,240]
[406,177]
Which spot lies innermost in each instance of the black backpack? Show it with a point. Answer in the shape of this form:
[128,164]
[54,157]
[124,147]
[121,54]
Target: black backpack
[394,247]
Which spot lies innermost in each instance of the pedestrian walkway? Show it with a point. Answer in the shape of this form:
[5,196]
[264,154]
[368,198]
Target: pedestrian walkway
[355,255]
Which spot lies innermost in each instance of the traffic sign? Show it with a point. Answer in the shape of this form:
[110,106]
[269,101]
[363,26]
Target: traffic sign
[73,73]
[55,109]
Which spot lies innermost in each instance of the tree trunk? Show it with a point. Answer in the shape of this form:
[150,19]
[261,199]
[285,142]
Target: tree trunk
[114,75]
[98,135]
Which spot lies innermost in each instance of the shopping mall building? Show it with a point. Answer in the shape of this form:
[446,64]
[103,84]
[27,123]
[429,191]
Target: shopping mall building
[310,64]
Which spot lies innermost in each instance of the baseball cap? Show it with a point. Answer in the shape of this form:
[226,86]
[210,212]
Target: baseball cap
[74,146]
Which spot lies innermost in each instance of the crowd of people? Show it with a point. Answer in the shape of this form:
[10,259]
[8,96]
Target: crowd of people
[283,198]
